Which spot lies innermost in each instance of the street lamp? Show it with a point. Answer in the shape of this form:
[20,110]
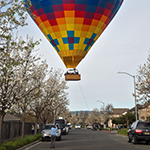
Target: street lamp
[102,103]
[134,91]
[103,112]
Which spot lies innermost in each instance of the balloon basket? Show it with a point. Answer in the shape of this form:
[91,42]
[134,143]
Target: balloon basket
[72,77]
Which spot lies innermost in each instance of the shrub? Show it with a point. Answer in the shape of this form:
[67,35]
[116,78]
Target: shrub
[123,131]
[12,145]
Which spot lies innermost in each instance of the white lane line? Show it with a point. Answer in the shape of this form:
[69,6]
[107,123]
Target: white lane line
[33,145]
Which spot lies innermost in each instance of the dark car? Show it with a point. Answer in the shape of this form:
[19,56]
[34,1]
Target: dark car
[96,127]
[62,124]
[139,131]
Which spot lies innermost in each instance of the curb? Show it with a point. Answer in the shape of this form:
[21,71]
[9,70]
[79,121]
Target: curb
[124,136]
[106,131]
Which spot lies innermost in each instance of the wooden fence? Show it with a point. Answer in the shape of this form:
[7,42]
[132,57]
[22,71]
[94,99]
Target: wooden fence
[13,129]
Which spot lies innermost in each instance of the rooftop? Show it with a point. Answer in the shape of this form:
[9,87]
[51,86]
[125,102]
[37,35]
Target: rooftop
[9,117]
[119,111]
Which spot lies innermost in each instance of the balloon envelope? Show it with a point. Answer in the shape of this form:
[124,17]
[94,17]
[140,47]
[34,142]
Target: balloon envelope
[72,26]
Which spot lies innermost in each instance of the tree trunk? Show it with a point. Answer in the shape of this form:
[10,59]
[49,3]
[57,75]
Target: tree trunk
[35,128]
[2,114]
[35,132]
[23,125]
[127,123]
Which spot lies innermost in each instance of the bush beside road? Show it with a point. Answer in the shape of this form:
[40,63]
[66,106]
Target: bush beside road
[123,131]
[13,145]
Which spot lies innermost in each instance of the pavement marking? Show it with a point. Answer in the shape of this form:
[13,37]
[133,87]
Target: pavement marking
[33,145]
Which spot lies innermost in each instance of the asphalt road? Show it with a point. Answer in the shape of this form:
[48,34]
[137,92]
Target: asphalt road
[85,139]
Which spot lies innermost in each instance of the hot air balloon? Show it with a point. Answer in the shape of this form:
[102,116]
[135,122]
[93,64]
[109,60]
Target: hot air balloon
[73,26]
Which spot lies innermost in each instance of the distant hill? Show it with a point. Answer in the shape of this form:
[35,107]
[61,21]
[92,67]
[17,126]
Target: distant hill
[75,112]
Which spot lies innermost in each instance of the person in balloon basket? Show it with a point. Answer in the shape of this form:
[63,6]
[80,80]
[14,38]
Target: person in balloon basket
[54,129]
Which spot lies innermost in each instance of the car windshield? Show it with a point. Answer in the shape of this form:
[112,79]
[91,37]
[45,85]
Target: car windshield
[47,126]
[143,125]
[61,122]
[77,124]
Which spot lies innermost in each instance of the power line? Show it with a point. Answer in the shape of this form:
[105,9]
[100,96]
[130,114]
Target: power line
[84,96]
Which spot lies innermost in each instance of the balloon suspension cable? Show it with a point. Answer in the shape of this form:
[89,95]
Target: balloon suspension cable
[84,97]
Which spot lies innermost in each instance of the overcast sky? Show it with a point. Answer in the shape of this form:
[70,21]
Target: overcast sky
[123,46]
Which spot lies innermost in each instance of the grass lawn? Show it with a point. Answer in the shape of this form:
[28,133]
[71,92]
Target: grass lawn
[123,131]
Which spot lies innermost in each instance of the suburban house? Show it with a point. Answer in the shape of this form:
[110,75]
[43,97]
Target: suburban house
[143,111]
[116,113]
[9,117]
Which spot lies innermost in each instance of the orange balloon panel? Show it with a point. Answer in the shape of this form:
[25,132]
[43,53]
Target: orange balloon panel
[72,26]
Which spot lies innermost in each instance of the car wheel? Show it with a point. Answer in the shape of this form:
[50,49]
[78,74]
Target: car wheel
[43,139]
[134,140]
[129,140]
[147,142]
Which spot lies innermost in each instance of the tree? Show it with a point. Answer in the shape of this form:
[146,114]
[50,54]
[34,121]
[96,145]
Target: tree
[130,118]
[81,116]
[126,119]
[56,109]
[106,114]
[53,95]
[85,116]
[12,15]
[66,114]
[143,82]
[94,117]
[74,119]
[45,115]
[31,76]
[12,74]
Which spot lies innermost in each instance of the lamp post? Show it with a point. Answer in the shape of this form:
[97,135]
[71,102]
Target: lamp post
[103,112]
[134,91]
[102,103]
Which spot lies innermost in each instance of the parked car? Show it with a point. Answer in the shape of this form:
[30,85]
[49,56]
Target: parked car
[89,127]
[139,131]
[77,126]
[67,129]
[46,132]
[69,126]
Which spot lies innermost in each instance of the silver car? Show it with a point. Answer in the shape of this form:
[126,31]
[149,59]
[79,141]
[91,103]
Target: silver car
[46,132]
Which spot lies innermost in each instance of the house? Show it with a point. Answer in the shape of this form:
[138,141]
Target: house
[9,117]
[144,112]
[138,107]
[116,113]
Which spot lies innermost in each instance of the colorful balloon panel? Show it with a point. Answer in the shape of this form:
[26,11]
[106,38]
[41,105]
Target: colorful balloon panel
[73,26]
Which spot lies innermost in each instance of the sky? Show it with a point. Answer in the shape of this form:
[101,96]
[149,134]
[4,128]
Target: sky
[123,46]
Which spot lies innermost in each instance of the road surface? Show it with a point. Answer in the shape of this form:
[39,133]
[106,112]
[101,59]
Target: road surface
[86,139]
